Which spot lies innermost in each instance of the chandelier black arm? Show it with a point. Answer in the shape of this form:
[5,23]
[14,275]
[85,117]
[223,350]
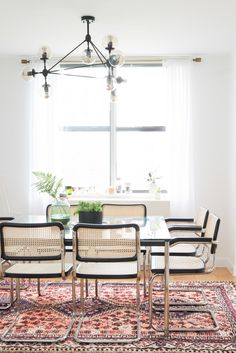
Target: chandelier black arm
[99,54]
[64,74]
[75,67]
[58,62]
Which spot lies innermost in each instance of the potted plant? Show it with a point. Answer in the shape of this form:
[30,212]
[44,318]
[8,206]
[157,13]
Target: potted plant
[48,183]
[89,212]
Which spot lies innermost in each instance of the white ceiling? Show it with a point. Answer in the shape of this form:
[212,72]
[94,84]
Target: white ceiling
[143,27]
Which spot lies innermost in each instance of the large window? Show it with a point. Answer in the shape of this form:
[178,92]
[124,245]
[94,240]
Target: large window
[100,141]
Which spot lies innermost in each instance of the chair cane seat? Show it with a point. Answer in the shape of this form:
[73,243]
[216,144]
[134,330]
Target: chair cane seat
[37,270]
[107,269]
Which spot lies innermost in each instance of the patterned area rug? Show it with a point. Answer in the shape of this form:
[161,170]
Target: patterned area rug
[48,317]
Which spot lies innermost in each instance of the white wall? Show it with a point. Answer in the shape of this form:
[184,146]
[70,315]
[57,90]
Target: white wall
[232,170]
[215,170]
[14,125]
[212,81]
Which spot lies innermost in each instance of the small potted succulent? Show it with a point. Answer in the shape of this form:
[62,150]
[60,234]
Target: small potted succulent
[89,212]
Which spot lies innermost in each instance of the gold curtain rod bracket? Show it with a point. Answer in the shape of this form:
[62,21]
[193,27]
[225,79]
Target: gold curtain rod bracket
[25,61]
[197,60]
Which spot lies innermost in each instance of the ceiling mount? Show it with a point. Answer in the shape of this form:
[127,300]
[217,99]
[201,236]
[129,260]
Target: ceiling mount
[88,18]
[91,56]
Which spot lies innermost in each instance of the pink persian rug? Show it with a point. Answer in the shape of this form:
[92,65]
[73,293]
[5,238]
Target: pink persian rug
[49,316]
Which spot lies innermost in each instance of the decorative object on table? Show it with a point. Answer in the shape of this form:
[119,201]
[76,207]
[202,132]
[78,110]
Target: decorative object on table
[91,56]
[89,212]
[61,210]
[154,187]
[48,183]
[69,190]
[119,186]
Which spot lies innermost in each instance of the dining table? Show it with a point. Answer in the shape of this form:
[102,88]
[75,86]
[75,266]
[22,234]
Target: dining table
[153,232]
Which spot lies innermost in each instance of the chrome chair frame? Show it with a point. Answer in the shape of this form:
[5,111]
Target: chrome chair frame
[5,306]
[22,253]
[111,261]
[185,227]
[129,210]
[205,264]
[167,329]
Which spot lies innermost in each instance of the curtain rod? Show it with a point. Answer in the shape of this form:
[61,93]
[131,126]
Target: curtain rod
[133,59]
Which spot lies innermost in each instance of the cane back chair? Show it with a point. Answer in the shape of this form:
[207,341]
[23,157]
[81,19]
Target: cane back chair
[6,305]
[38,252]
[180,265]
[185,227]
[105,252]
[129,210]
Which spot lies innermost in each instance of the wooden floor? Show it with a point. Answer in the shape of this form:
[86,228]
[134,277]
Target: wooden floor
[219,274]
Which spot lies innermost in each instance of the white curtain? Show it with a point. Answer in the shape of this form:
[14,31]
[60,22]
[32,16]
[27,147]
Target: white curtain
[4,203]
[42,142]
[45,137]
[179,128]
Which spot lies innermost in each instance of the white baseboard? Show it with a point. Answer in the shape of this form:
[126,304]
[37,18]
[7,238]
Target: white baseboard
[223,262]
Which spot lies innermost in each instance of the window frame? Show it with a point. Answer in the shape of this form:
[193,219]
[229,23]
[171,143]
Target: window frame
[112,128]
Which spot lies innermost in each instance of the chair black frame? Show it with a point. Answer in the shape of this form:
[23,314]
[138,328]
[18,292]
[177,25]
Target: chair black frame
[211,243]
[7,305]
[189,227]
[63,273]
[144,216]
[110,260]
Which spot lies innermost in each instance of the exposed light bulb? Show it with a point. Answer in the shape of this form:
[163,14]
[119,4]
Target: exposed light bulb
[110,41]
[119,80]
[45,52]
[27,74]
[110,83]
[47,90]
[88,57]
[116,58]
[113,96]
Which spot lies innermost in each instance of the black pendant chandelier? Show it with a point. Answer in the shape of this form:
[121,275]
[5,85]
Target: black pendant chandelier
[92,56]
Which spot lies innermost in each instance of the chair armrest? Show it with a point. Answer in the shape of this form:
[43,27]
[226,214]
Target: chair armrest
[214,246]
[6,219]
[179,219]
[191,240]
[185,227]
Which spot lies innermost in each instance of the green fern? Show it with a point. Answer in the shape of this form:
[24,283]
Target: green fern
[47,183]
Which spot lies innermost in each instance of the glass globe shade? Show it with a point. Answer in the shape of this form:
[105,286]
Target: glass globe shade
[88,58]
[26,74]
[44,49]
[110,40]
[113,96]
[110,83]
[46,90]
[116,59]
[120,79]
